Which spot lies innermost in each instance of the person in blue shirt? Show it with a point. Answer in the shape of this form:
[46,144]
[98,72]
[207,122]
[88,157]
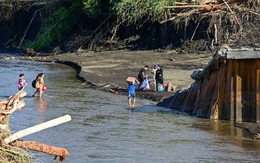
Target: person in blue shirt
[131,94]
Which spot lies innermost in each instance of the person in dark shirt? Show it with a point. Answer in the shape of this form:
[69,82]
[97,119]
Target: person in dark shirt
[142,74]
[159,75]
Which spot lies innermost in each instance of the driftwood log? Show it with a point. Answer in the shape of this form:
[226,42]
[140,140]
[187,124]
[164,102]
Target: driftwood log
[37,146]
[40,147]
[37,128]
[7,107]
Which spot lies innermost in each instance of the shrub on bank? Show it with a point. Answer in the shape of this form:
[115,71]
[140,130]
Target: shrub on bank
[127,12]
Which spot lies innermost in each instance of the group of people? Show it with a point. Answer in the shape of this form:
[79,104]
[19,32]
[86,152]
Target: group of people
[38,84]
[143,82]
[157,79]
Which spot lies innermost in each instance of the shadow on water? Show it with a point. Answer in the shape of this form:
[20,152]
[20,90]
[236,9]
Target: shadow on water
[103,130]
[152,109]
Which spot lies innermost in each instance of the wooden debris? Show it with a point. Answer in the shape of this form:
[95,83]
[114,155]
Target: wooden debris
[195,30]
[188,6]
[31,52]
[209,8]
[40,147]
[257,136]
[164,21]
[7,107]
[254,13]
[216,34]
[37,128]
[232,13]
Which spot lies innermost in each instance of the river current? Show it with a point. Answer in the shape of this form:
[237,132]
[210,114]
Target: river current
[103,130]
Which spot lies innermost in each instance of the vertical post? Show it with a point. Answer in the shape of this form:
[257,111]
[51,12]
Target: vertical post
[258,96]
[228,110]
[232,99]
[238,98]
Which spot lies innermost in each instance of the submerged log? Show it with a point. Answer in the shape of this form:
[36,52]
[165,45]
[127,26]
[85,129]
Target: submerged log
[40,147]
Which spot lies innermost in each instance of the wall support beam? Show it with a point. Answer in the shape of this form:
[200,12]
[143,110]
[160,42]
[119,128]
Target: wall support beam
[258,96]
[238,98]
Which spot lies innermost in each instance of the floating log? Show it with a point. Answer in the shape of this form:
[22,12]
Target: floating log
[40,147]
[37,128]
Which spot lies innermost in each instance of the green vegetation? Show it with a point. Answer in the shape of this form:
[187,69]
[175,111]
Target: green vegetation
[139,11]
[132,11]
[94,8]
[129,12]
[13,155]
[60,22]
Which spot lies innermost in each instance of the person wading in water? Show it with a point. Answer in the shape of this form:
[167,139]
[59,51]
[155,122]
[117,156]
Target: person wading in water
[131,93]
[40,86]
[21,82]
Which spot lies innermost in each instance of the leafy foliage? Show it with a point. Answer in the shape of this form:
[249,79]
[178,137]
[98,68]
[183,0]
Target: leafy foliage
[94,8]
[131,12]
[60,22]
[139,10]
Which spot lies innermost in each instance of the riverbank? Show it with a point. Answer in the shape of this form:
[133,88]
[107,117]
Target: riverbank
[108,70]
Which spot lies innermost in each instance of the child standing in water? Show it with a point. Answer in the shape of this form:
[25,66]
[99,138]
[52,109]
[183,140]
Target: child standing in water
[131,94]
[40,84]
[21,82]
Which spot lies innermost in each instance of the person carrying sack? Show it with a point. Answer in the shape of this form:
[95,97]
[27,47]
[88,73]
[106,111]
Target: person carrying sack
[132,82]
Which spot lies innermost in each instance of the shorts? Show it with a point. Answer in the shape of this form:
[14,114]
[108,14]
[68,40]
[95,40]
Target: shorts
[131,95]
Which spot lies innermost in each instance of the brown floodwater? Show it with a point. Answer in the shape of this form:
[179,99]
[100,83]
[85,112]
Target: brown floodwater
[103,130]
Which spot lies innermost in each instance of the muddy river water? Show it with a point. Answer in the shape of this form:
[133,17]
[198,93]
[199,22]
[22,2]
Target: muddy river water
[103,130]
